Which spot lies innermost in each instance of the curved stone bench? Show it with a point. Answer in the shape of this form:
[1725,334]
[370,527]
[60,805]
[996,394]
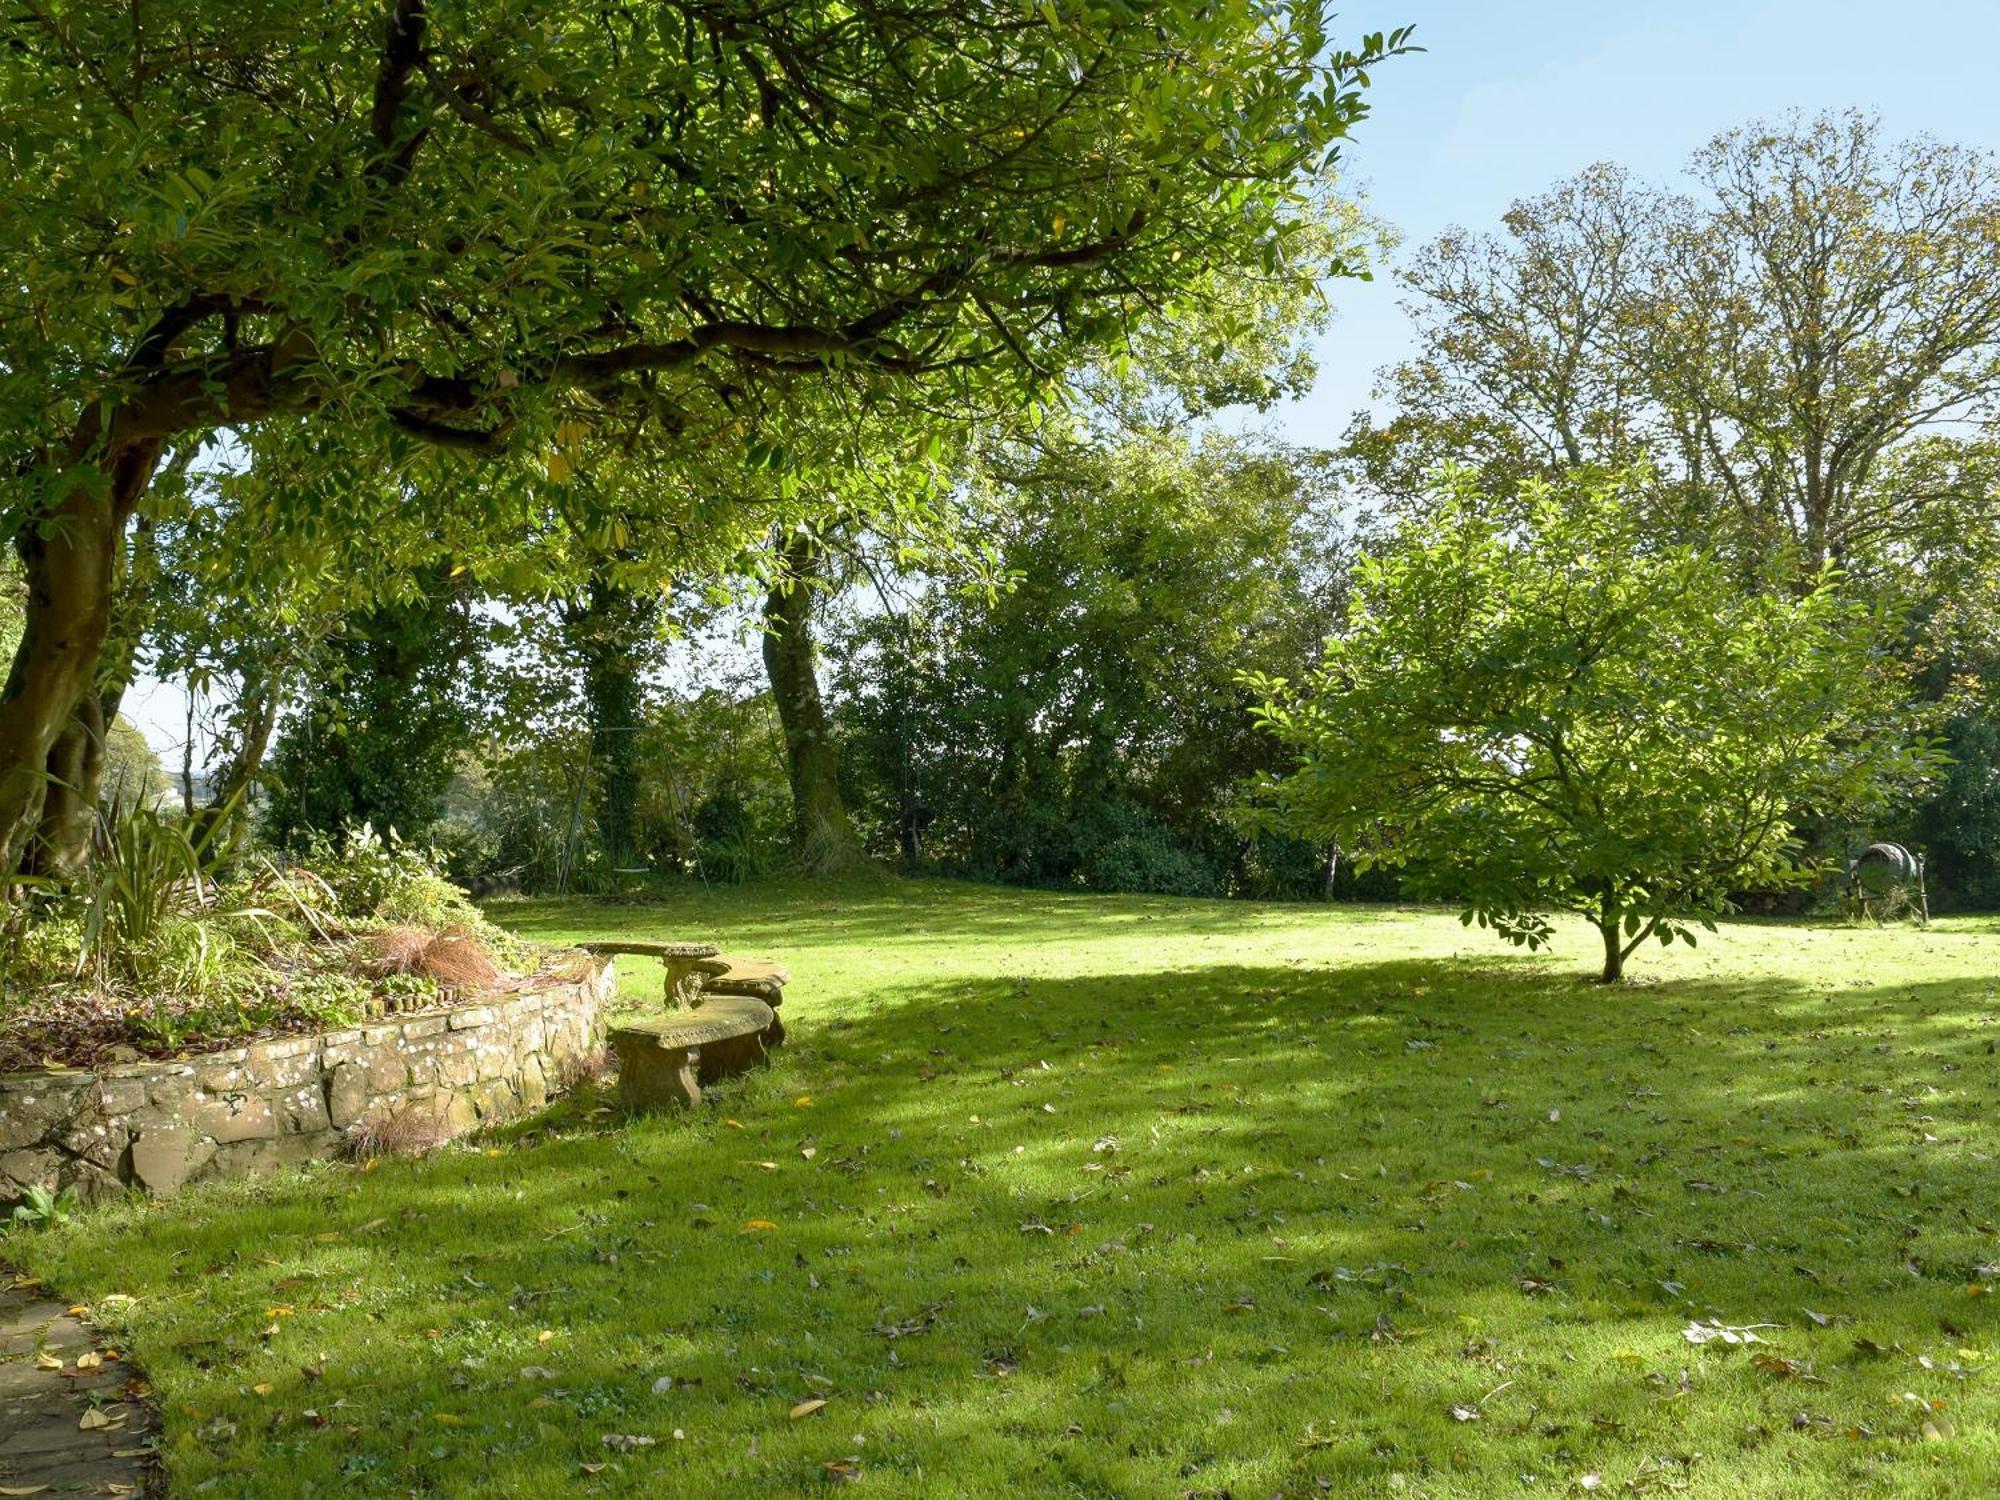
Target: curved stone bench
[666,1061]
[684,963]
[757,978]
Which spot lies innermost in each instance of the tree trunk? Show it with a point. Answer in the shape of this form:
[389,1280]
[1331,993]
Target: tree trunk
[1614,952]
[75,770]
[75,786]
[608,631]
[256,721]
[71,564]
[823,840]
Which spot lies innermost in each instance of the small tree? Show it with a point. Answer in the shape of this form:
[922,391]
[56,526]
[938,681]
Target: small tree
[1556,714]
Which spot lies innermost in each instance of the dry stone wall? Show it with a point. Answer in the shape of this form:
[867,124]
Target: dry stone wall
[270,1104]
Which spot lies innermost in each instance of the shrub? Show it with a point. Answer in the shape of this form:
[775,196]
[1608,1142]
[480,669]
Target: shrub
[373,875]
[147,890]
[1140,854]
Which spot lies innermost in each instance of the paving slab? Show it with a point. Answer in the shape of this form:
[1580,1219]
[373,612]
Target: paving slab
[46,1399]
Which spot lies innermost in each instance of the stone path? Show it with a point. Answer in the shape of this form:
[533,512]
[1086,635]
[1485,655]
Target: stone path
[45,1400]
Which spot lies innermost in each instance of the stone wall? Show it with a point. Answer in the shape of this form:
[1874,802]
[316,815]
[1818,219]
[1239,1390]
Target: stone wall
[270,1104]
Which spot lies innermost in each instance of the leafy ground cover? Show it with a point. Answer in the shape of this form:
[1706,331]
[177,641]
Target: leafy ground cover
[1090,1196]
[161,955]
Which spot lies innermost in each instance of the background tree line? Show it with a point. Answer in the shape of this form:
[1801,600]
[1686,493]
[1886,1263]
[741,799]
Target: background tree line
[1020,646]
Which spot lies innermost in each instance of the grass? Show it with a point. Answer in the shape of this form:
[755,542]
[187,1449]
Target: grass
[1100,1197]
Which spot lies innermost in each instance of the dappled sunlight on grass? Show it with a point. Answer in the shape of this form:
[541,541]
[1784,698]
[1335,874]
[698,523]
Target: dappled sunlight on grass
[1096,1197]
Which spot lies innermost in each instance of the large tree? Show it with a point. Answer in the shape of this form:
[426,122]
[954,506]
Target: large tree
[1816,298]
[1533,707]
[453,231]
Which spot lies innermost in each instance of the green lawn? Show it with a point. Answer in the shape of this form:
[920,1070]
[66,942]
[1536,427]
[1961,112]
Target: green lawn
[1082,1196]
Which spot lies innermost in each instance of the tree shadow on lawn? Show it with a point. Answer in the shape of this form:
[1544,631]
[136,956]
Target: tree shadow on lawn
[1235,1229]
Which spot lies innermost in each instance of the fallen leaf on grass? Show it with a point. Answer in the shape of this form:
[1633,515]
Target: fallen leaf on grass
[1699,1332]
[1790,1369]
[757,1226]
[627,1442]
[1938,1429]
[807,1408]
[1465,1414]
[843,1470]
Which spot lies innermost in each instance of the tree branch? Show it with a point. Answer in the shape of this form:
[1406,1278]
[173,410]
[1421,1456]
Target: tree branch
[402,56]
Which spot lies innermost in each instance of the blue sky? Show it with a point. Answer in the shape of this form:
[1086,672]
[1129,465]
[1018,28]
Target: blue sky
[1510,97]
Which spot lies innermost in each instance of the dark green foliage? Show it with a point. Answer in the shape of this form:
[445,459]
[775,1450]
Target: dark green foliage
[1958,825]
[708,799]
[1085,725]
[379,737]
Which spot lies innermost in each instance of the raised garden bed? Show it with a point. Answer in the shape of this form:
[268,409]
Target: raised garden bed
[407,1080]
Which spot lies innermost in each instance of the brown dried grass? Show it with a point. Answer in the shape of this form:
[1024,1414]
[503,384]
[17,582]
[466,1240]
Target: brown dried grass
[454,958]
[409,1131]
[578,1070]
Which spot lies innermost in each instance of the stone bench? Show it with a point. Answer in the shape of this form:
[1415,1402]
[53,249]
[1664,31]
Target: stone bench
[666,1061]
[756,978]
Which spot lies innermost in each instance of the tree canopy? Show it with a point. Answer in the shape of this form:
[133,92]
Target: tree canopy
[1546,710]
[546,234]
[1765,340]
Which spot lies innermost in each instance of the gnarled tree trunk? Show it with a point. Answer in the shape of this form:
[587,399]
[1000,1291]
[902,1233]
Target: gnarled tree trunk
[81,750]
[823,840]
[71,563]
